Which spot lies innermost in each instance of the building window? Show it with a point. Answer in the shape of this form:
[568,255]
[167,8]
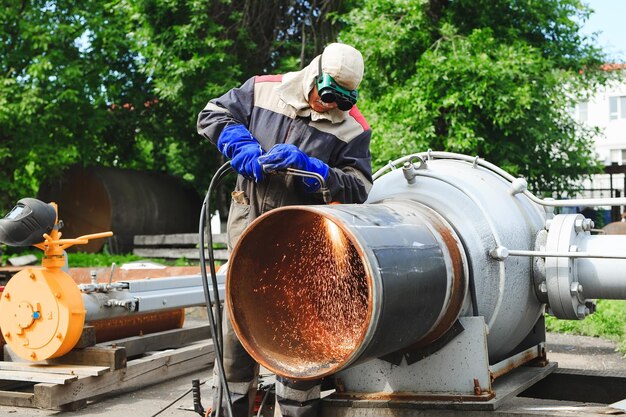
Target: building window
[617,108]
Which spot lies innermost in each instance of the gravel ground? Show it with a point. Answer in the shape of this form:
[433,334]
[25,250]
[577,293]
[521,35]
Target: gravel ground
[584,352]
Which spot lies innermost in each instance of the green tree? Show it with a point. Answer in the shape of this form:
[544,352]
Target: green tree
[120,82]
[69,81]
[193,51]
[496,79]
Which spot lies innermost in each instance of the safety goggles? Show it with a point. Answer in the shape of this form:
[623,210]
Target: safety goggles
[331,92]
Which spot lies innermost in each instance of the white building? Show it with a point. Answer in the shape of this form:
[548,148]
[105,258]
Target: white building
[607,110]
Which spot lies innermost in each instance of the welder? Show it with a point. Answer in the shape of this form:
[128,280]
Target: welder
[307,120]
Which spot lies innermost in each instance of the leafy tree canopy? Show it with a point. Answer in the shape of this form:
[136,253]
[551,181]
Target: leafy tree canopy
[496,79]
[120,82]
[68,82]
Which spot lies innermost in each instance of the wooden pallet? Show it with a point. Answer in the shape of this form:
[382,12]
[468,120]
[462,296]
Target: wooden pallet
[175,246]
[67,383]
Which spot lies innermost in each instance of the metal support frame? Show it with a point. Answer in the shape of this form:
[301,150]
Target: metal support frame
[456,377]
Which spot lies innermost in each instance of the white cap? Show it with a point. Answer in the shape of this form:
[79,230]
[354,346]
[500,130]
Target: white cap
[344,63]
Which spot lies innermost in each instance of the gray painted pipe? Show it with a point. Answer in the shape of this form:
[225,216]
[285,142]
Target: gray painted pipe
[602,278]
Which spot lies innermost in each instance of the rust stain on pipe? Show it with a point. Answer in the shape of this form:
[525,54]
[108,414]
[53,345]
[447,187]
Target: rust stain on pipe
[138,324]
[407,396]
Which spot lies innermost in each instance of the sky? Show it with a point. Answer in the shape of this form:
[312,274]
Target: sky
[609,20]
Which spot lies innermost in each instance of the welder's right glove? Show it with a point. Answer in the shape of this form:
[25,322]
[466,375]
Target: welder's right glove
[283,156]
[243,150]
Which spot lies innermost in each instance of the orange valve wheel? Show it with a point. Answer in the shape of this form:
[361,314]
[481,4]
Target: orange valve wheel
[41,313]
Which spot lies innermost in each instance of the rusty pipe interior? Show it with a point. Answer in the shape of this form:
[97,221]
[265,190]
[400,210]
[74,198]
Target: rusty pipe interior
[313,289]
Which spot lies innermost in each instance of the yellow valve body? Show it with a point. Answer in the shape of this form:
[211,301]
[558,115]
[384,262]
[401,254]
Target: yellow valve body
[41,313]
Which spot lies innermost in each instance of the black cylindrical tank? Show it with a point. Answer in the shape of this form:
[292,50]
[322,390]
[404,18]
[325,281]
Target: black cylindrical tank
[127,202]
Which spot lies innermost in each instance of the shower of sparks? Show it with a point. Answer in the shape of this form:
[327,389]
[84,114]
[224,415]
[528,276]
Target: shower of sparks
[319,291]
[339,245]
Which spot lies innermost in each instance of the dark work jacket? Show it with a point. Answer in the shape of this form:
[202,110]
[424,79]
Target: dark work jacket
[343,146]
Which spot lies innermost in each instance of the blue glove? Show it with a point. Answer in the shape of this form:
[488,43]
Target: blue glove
[243,150]
[283,156]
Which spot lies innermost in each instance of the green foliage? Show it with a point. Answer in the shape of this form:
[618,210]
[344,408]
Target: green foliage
[609,321]
[68,83]
[493,79]
[82,259]
[193,51]
[86,260]
[120,83]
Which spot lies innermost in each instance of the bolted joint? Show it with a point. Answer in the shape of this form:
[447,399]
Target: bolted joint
[578,225]
[588,224]
[583,225]
[547,224]
[543,288]
[582,311]
[408,170]
[500,253]
[575,288]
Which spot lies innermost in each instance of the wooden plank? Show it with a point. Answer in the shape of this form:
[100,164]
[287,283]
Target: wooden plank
[169,339]
[138,373]
[170,359]
[179,239]
[172,239]
[37,377]
[111,357]
[176,253]
[79,370]
[17,399]
[87,337]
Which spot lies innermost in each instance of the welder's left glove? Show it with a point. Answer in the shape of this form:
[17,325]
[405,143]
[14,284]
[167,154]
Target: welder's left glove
[283,156]
[237,143]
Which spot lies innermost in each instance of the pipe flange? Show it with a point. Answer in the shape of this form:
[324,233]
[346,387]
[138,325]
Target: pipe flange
[564,294]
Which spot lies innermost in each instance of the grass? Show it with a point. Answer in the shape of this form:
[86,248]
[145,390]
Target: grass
[82,259]
[609,322]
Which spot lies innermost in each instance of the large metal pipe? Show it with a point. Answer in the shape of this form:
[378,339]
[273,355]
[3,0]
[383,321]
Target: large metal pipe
[343,284]
[602,278]
[317,290]
[128,298]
